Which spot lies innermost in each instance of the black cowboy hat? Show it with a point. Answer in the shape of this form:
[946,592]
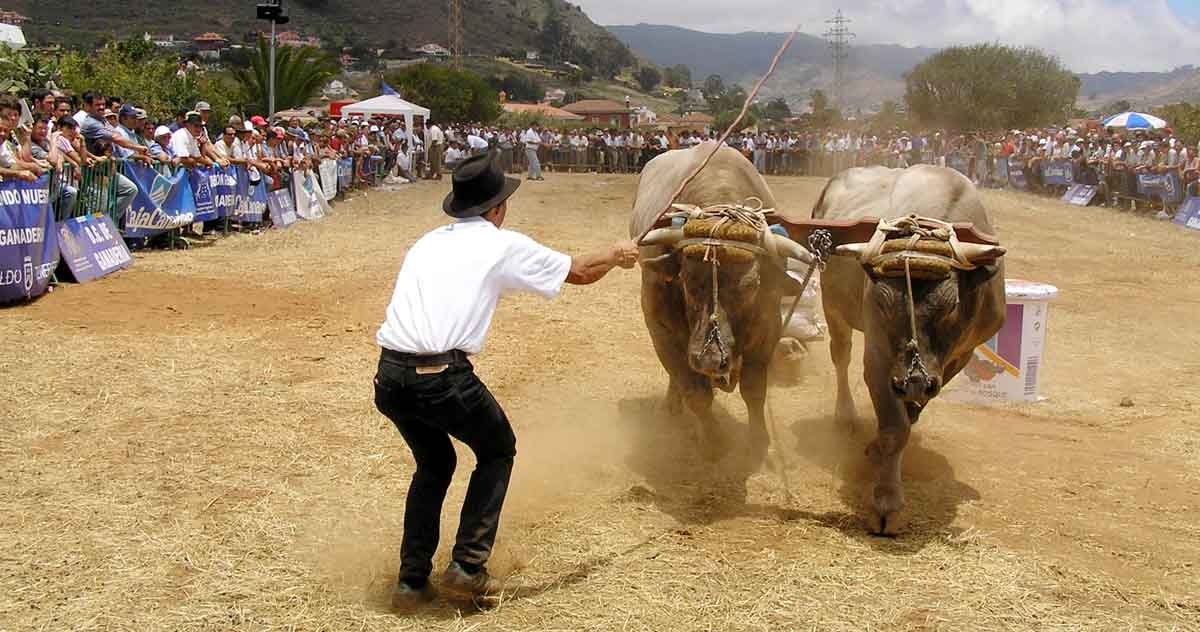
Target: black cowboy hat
[479,186]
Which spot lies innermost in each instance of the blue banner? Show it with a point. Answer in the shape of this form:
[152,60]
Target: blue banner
[283,212]
[162,203]
[1057,173]
[1016,175]
[1166,186]
[92,247]
[222,182]
[1189,214]
[345,170]
[206,206]
[250,199]
[28,240]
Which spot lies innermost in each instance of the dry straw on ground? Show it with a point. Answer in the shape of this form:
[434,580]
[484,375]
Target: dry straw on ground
[191,445]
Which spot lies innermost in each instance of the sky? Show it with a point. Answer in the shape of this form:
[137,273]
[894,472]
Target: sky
[1088,35]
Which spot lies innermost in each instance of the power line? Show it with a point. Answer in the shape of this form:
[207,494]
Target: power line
[455,30]
[838,36]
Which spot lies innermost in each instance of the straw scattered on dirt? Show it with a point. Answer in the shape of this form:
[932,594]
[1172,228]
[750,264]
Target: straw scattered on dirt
[192,445]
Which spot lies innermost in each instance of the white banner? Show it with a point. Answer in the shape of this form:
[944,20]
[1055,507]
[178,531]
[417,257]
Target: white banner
[305,189]
[329,178]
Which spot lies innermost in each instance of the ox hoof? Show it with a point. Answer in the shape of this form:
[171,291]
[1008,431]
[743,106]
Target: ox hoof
[890,524]
[887,517]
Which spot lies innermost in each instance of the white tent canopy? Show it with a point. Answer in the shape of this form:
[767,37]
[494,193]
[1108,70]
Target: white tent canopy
[391,105]
[385,104]
[12,36]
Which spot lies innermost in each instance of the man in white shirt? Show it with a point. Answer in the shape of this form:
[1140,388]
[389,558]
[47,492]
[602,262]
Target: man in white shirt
[435,141]
[184,144]
[476,144]
[532,141]
[439,315]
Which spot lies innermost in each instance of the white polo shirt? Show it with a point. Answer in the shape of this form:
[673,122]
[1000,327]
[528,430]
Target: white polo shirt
[451,280]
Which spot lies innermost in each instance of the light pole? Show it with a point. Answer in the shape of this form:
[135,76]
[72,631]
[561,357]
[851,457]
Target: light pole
[272,10]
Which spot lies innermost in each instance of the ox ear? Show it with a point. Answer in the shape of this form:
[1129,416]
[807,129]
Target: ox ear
[666,267]
[969,281]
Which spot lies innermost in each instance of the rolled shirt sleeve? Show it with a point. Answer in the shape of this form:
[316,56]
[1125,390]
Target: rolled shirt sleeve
[532,267]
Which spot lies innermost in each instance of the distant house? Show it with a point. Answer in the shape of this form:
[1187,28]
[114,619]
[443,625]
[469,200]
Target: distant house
[532,55]
[163,41]
[293,39]
[602,112]
[432,50]
[12,17]
[210,45]
[541,109]
[555,95]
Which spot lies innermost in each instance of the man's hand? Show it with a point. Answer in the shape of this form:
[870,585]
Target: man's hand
[27,175]
[625,254]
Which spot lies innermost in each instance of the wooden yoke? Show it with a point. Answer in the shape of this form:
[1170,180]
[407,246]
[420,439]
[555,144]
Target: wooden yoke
[853,231]
[850,231]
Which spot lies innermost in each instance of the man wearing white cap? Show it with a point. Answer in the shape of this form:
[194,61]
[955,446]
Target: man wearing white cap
[160,147]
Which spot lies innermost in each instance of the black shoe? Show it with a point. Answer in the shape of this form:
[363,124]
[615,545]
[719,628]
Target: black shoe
[457,580]
[406,598]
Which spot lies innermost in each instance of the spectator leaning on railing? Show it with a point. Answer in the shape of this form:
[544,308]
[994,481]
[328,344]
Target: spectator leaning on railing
[43,149]
[14,141]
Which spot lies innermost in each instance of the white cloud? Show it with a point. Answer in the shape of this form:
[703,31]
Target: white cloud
[1088,35]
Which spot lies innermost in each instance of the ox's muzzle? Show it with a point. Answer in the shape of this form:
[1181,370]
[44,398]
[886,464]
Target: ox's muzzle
[915,388]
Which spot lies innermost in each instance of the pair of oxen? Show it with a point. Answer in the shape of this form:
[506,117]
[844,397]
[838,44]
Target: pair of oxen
[712,306]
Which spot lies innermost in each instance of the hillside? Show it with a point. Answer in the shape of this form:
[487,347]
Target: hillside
[489,25]
[875,71]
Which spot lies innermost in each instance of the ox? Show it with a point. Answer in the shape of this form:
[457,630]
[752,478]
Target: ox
[952,313]
[712,311]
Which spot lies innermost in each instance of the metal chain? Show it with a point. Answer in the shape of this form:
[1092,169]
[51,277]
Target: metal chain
[820,244]
[714,331]
[916,365]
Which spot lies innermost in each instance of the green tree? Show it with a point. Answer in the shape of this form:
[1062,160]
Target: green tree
[22,71]
[714,87]
[518,86]
[679,76]
[777,110]
[648,78]
[888,118]
[1184,119]
[1116,107]
[555,38]
[300,73]
[610,57]
[726,118]
[148,78]
[452,95]
[990,86]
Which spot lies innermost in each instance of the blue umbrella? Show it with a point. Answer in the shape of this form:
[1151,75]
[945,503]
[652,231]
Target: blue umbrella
[1134,120]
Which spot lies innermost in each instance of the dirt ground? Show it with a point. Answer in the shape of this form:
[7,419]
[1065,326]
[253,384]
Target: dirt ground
[192,445]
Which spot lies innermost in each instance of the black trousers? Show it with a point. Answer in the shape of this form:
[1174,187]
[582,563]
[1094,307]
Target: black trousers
[428,410]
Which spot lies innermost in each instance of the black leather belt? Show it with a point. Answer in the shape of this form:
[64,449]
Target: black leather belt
[422,360]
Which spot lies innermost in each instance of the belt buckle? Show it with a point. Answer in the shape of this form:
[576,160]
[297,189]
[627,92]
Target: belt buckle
[432,370]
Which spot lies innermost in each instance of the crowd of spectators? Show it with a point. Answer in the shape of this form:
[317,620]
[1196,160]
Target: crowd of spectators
[69,136]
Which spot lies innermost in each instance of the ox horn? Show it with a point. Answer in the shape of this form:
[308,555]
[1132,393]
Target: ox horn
[858,251]
[662,237]
[784,247]
[976,253]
